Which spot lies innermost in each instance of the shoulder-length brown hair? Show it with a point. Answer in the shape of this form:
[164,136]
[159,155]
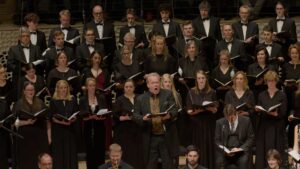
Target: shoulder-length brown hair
[207,87]
[245,84]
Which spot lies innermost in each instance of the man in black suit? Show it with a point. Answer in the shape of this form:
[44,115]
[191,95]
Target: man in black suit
[69,32]
[115,156]
[21,54]
[274,49]
[138,31]
[234,46]
[236,134]
[246,31]
[159,131]
[192,157]
[188,35]
[284,29]
[37,37]
[52,52]
[207,28]
[104,30]
[84,51]
[166,26]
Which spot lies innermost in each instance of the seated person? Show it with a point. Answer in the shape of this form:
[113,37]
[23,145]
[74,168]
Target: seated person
[236,134]
[192,156]
[115,156]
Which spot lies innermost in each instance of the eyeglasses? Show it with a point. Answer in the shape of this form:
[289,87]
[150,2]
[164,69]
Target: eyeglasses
[98,13]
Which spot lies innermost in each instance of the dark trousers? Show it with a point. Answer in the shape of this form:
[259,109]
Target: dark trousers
[158,149]
[239,161]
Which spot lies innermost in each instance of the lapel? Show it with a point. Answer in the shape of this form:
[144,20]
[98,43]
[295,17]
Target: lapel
[171,28]
[212,24]
[285,25]
[31,53]
[274,24]
[85,49]
[21,57]
[240,30]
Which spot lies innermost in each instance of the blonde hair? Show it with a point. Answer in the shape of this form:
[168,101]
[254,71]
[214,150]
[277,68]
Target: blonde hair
[58,83]
[226,53]
[165,52]
[271,75]
[173,89]
[245,84]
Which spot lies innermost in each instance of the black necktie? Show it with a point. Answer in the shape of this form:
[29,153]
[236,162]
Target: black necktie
[34,33]
[205,19]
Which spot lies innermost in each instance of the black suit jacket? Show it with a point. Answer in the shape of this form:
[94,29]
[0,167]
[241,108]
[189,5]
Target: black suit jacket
[244,131]
[83,54]
[140,35]
[174,29]
[108,31]
[288,26]
[276,50]
[72,33]
[237,47]
[214,29]
[41,40]
[16,57]
[181,43]
[142,107]
[252,30]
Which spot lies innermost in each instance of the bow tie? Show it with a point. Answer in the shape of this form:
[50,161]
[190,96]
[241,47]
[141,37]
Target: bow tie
[34,33]
[164,23]
[65,28]
[244,24]
[59,50]
[25,47]
[131,27]
[90,45]
[99,23]
[280,20]
[268,45]
[205,19]
[229,42]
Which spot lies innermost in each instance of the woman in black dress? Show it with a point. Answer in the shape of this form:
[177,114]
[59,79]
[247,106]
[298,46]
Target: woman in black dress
[126,132]
[6,87]
[61,72]
[261,64]
[126,68]
[159,60]
[192,61]
[240,94]
[63,131]
[202,119]
[271,129]
[93,128]
[31,76]
[222,73]
[290,72]
[33,129]
[4,135]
